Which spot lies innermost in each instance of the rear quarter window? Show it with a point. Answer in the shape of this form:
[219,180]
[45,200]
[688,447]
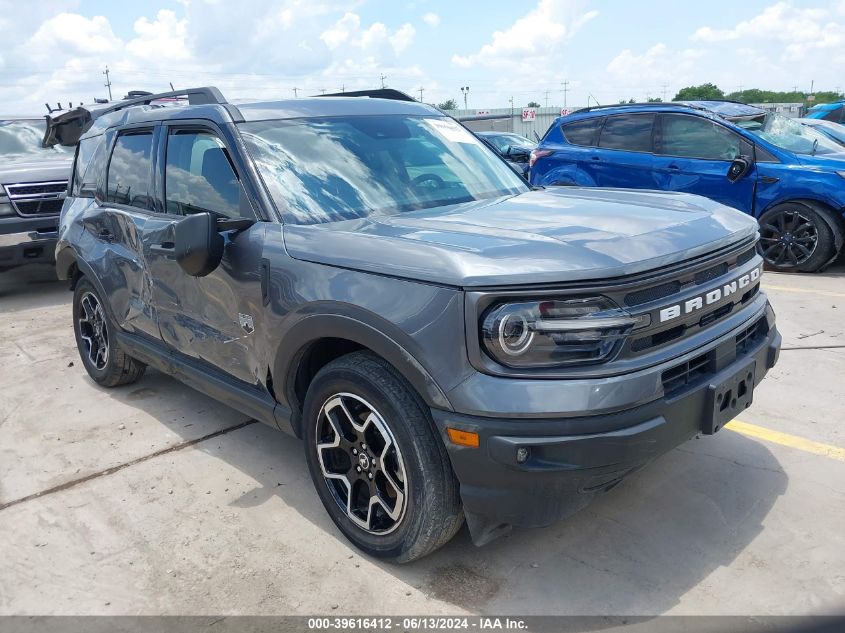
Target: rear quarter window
[88,164]
[583,132]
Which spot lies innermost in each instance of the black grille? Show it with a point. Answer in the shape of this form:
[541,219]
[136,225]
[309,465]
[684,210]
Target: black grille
[747,256]
[39,207]
[711,273]
[686,373]
[37,198]
[652,294]
[704,365]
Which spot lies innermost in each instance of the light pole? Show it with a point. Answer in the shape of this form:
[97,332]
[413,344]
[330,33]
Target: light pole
[465,92]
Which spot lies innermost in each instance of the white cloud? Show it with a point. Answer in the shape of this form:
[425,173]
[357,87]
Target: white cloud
[801,29]
[539,33]
[656,65]
[165,38]
[432,19]
[73,35]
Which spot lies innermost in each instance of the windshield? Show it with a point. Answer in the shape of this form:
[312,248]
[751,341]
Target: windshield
[24,136]
[341,168]
[790,135]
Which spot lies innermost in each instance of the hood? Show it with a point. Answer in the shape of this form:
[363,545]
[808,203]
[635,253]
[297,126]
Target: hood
[31,168]
[546,236]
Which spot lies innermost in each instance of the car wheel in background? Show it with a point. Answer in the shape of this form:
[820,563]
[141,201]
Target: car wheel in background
[101,354]
[795,237]
[378,466]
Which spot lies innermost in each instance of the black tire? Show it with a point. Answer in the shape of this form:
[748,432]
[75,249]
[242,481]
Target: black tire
[794,237]
[112,366]
[432,507]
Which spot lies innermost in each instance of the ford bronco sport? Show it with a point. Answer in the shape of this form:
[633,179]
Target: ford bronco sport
[366,275]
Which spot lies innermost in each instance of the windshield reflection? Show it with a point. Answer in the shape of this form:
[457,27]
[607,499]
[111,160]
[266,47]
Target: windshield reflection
[341,168]
[24,136]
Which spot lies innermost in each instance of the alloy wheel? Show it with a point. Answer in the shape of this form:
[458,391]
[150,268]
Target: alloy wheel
[93,331]
[788,239]
[361,463]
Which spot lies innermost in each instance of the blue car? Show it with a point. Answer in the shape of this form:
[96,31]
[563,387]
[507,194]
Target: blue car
[828,111]
[787,175]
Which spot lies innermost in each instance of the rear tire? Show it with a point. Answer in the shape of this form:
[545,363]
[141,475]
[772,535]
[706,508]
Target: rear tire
[794,237]
[96,339]
[361,418]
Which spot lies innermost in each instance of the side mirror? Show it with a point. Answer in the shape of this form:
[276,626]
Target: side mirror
[198,245]
[739,168]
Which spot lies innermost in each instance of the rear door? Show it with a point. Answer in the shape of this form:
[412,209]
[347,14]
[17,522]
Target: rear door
[624,156]
[694,154]
[113,227]
[214,319]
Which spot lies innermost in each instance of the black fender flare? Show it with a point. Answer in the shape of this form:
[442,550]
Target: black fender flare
[314,327]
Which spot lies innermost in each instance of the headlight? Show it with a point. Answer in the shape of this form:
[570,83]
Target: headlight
[841,173]
[551,333]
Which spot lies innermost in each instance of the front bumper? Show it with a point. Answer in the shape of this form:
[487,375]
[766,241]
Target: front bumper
[27,241]
[571,460]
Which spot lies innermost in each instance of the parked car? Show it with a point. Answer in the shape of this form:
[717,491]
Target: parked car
[834,131]
[787,175]
[33,181]
[512,147]
[828,111]
[365,274]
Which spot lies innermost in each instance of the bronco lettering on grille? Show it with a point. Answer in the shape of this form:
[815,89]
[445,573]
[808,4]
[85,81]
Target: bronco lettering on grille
[713,296]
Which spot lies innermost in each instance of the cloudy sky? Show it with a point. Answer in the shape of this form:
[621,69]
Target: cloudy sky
[56,50]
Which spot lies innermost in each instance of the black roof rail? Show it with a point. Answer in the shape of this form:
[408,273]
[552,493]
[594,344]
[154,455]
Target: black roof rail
[196,96]
[378,93]
[632,105]
[66,127]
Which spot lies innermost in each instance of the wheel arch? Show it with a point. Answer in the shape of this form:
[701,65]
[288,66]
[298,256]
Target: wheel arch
[317,339]
[832,216]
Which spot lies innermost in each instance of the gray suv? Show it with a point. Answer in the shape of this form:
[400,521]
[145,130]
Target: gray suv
[33,182]
[365,274]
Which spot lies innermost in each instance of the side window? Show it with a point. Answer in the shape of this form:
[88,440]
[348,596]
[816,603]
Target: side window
[198,175]
[582,132]
[631,132]
[697,137]
[128,179]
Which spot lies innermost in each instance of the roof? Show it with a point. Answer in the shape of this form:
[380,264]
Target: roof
[67,127]
[725,109]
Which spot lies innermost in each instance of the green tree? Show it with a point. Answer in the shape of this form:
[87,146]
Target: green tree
[655,100]
[699,93]
[449,104]
[533,104]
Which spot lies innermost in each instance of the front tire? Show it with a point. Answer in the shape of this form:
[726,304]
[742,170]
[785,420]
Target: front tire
[379,468]
[795,238]
[101,354]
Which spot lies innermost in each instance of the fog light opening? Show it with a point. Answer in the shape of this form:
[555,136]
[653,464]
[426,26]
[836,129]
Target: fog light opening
[522,455]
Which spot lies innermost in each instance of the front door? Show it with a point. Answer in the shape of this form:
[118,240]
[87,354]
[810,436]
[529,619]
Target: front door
[694,154]
[216,319]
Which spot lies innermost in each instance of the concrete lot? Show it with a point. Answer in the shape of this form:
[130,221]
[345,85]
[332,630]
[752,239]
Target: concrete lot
[729,524]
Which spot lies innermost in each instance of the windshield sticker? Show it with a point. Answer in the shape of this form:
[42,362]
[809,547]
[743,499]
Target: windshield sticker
[451,131]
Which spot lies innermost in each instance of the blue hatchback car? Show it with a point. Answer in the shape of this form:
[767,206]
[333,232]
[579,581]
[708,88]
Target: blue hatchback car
[787,175]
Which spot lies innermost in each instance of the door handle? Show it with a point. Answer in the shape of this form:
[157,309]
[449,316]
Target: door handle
[165,248]
[674,167]
[595,158]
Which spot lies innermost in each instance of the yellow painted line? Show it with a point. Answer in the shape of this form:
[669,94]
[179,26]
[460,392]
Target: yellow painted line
[822,293]
[785,439]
